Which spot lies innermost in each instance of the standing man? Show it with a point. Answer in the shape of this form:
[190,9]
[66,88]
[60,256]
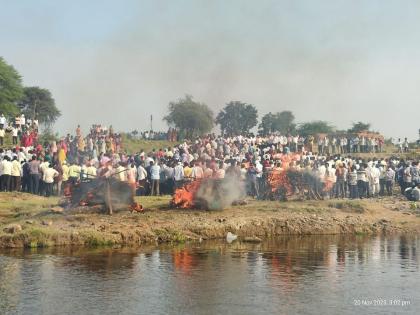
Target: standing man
[142,179]
[16,174]
[2,134]
[155,178]
[406,145]
[390,178]
[179,175]
[48,176]
[6,166]
[2,121]
[34,172]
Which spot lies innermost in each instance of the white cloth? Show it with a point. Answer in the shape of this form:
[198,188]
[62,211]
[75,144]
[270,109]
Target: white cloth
[48,175]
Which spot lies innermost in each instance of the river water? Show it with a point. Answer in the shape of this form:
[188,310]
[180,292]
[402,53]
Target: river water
[292,275]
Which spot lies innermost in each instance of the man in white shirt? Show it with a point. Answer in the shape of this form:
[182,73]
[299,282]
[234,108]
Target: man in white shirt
[375,174]
[16,174]
[197,171]
[155,178]
[142,179]
[15,132]
[2,134]
[6,172]
[120,172]
[2,121]
[48,176]
[179,175]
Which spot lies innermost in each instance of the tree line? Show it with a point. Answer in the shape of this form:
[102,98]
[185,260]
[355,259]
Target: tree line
[32,101]
[193,119]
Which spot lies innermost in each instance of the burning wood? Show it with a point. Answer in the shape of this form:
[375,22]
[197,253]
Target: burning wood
[184,197]
[209,194]
[283,184]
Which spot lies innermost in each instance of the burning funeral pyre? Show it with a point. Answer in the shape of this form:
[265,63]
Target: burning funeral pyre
[279,185]
[285,184]
[209,194]
[107,192]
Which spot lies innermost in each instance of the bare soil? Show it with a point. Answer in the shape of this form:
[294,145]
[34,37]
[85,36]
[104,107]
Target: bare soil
[32,221]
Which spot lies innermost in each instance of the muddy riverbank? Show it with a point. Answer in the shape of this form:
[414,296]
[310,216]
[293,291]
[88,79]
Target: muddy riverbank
[30,221]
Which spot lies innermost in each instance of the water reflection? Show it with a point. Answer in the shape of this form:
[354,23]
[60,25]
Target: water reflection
[278,276]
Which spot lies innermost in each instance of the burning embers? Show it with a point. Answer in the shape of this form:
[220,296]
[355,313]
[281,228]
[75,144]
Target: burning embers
[284,184]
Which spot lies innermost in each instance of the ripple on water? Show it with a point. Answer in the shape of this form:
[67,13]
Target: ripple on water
[286,275]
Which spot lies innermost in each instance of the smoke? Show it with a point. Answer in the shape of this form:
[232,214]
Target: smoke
[219,194]
[120,63]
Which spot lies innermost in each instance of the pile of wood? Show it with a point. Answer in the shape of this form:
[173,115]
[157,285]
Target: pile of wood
[109,193]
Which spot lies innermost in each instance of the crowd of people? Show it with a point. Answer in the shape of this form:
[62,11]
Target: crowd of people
[170,135]
[45,169]
[23,131]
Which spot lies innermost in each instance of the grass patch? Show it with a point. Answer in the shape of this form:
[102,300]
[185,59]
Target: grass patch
[169,235]
[19,205]
[37,237]
[348,206]
[95,239]
[133,145]
[154,202]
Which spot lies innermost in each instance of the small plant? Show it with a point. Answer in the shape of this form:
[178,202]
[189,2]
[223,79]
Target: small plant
[414,206]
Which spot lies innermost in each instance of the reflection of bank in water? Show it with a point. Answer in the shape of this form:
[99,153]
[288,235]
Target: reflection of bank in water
[290,274]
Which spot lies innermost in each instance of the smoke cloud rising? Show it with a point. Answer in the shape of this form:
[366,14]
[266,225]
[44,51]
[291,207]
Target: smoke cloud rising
[118,63]
[221,194]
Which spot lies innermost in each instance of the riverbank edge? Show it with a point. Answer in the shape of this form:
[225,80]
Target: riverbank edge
[249,229]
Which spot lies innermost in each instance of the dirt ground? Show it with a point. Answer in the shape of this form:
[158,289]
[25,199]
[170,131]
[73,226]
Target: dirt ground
[32,221]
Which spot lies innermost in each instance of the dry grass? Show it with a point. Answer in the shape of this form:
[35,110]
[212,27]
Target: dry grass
[15,206]
[132,146]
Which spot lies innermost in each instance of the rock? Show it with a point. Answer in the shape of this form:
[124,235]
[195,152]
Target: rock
[102,228]
[45,222]
[29,222]
[56,209]
[252,239]
[12,229]
[231,237]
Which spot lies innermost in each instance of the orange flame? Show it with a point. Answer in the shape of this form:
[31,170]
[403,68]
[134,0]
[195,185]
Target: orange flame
[278,179]
[184,196]
[136,207]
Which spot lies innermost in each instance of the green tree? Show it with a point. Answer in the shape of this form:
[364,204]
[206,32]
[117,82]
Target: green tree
[314,127]
[39,104]
[189,117]
[359,126]
[237,118]
[282,122]
[11,89]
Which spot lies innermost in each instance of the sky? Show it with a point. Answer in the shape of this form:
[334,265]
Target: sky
[118,62]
